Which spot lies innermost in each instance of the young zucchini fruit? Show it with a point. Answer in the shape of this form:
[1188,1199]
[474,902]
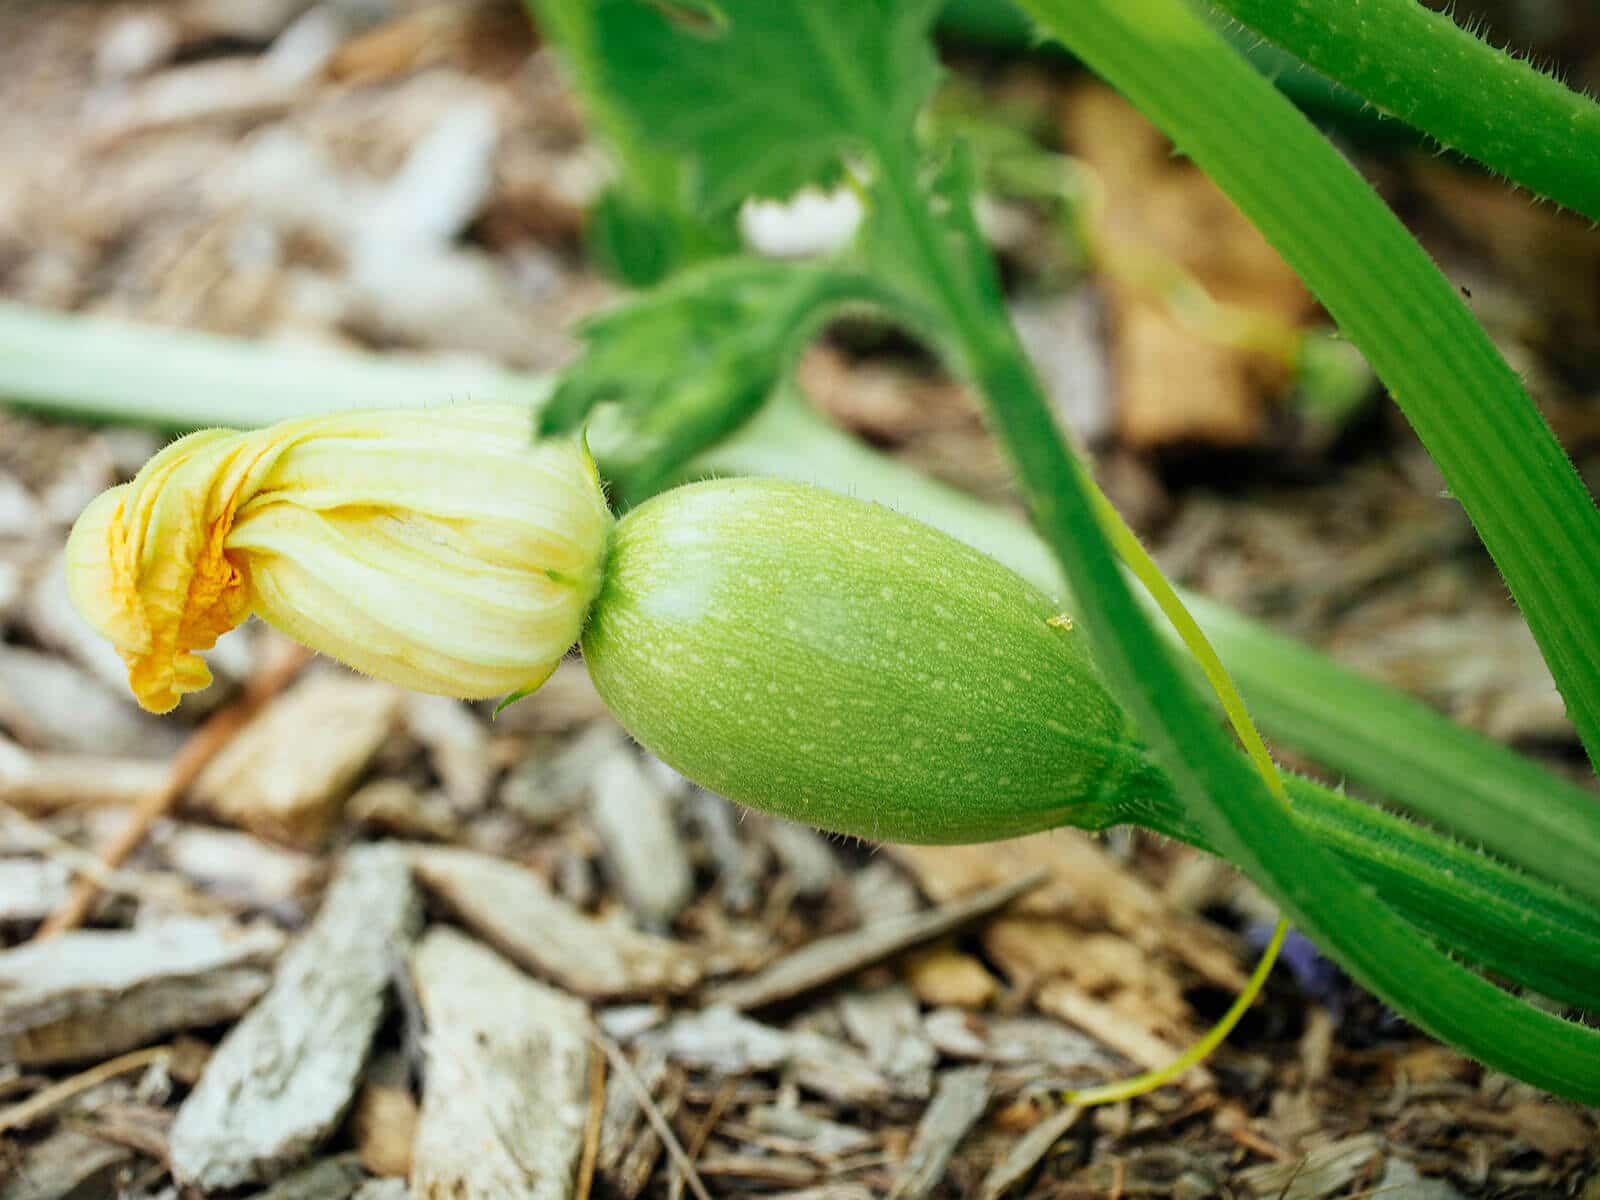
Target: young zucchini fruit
[837,663]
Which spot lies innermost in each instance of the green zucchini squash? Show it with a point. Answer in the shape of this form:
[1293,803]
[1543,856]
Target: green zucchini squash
[846,666]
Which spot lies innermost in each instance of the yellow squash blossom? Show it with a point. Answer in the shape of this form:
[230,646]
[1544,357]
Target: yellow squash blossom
[439,549]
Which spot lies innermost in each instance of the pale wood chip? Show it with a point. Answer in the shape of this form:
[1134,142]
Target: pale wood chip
[1108,966]
[1549,1126]
[835,1069]
[220,89]
[566,702]
[384,1119]
[139,1127]
[1015,1041]
[240,867]
[807,859]
[70,711]
[67,1163]
[89,993]
[831,958]
[1133,1039]
[817,1134]
[1402,1181]
[1320,1172]
[281,1080]
[944,976]
[739,864]
[458,747]
[51,617]
[286,773]
[514,909]
[397,808]
[960,1100]
[629,1148]
[41,784]
[1174,382]
[1087,888]
[31,888]
[506,1096]
[329,1179]
[887,1023]
[721,1040]
[634,815]
[1032,1146]
[545,790]
[756,1169]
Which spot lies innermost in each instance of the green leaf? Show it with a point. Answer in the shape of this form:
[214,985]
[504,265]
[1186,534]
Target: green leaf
[688,363]
[640,240]
[644,227]
[776,98]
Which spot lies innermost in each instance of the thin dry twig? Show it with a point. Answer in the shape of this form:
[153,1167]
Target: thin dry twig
[40,1103]
[702,1134]
[624,1069]
[591,1129]
[52,845]
[200,749]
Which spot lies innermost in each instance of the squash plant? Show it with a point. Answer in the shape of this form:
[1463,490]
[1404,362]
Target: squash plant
[793,608]
[757,99]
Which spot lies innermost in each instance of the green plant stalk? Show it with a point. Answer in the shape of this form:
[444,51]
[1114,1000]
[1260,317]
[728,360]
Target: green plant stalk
[1219,788]
[1502,462]
[1376,735]
[179,380]
[1425,69]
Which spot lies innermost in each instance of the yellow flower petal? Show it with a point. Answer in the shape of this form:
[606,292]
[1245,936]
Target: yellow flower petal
[441,549]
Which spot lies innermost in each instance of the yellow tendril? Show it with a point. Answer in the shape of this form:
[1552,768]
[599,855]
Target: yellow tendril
[1138,560]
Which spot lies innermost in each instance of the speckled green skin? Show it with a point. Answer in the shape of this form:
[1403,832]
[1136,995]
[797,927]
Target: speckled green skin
[835,662]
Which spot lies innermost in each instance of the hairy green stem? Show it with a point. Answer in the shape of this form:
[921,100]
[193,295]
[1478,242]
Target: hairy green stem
[1425,69]
[1520,928]
[1496,452]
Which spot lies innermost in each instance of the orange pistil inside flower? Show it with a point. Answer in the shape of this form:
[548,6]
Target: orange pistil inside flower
[148,568]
